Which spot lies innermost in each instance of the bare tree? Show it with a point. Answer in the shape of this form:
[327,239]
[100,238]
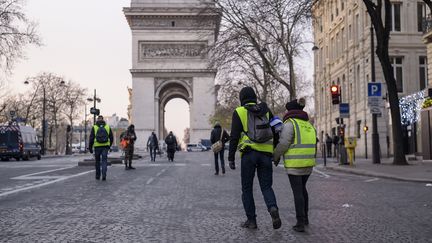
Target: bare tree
[73,100]
[270,31]
[382,30]
[16,31]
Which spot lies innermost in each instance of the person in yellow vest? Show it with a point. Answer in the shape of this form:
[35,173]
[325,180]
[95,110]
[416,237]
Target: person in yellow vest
[101,139]
[297,146]
[252,135]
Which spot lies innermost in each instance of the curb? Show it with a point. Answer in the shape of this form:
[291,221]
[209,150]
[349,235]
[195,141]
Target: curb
[379,175]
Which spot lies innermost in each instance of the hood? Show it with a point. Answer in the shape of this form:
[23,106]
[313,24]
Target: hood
[100,123]
[247,95]
[217,126]
[296,114]
[259,109]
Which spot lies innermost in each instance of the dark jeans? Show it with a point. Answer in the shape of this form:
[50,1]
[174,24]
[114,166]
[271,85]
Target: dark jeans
[153,153]
[329,149]
[221,156]
[101,157]
[301,198]
[261,163]
[129,156]
[170,153]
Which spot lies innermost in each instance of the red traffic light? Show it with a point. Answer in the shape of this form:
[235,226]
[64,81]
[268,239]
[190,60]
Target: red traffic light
[335,93]
[334,89]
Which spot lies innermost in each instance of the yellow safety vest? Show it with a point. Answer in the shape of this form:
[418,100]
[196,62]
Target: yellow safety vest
[245,141]
[302,152]
[96,143]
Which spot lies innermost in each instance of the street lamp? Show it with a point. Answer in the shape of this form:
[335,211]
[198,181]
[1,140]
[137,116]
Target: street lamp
[44,125]
[93,110]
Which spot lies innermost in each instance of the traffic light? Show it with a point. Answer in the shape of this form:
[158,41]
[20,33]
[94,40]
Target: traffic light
[335,93]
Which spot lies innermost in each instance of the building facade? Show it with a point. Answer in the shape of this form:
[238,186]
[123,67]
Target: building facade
[342,37]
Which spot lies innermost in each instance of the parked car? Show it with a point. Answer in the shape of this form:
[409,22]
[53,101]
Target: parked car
[18,142]
[195,147]
[206,143]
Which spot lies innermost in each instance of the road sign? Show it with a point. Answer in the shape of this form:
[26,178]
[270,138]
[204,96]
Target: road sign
[374,90]
[375,110]
[344,110]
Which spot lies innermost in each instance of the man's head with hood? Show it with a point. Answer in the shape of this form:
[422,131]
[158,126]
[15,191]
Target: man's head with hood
[217,124]
[131,128]
[100,121]
[247,95]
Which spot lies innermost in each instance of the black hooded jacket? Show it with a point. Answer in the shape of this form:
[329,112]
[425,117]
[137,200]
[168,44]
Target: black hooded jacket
[92,135]
[216,135]
[237,126]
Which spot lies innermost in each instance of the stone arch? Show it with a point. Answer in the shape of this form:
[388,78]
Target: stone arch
[166,90]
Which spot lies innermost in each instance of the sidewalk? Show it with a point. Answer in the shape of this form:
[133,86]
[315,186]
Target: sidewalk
[416,171]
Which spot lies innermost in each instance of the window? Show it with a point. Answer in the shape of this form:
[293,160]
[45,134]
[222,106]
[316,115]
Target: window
[349,32]
[342,40]
[173,24]
[342,6]
[358,28]
[421,15]
[358,131]
[423,72]
[395,23]
[398,72]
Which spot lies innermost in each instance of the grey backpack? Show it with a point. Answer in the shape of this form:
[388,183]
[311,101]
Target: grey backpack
[259,129]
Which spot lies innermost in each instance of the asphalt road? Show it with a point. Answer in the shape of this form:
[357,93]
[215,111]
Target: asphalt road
[53,200]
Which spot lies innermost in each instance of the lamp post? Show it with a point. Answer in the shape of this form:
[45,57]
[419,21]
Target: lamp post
[375,135]
[94,111]
[365,129]
[44,125]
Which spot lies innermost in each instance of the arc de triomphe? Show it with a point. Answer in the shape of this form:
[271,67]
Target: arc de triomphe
[170,40]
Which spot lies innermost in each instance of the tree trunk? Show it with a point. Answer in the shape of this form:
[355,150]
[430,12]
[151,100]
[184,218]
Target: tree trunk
[292,88]
[398,147]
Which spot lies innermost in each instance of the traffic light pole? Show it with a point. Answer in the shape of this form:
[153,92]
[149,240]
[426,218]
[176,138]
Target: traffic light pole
[94,105]
[375,136]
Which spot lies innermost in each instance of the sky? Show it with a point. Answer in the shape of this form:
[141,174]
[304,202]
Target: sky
[88,42]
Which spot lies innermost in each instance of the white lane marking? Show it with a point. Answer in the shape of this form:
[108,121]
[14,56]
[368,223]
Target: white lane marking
[25,177]
[149,181]
[371,180]
[44,184]
[321,173]
[428,184]
[156,165]
[38,178]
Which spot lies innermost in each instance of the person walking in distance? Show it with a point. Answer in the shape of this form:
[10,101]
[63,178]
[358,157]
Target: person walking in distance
[252,135]
[171,142]
[152,145]
[329,142]
[297,145]
[130,137]
[219,134]
[101,139]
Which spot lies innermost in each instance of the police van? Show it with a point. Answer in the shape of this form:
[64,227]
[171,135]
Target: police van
[18,142]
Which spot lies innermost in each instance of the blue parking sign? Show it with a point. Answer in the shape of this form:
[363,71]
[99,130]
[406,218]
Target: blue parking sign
[374,90]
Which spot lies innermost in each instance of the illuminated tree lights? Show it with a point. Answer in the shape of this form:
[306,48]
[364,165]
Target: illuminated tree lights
[410,107]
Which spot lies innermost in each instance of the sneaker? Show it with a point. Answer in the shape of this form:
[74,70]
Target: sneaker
[132,168]
[274,213]
[97,178]
[249,224]
[223,171]
[216,173]
[104,178]
[299,228]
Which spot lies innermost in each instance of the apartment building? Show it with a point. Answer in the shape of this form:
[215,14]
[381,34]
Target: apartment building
[342,37]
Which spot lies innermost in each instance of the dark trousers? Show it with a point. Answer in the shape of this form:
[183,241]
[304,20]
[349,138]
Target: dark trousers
[329,149]
[153,153]
[221,156]
[170,153]
[129,156]
[301,198]
[261,163]
[101,158]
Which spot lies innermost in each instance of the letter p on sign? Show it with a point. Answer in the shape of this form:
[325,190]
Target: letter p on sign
[374,90]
